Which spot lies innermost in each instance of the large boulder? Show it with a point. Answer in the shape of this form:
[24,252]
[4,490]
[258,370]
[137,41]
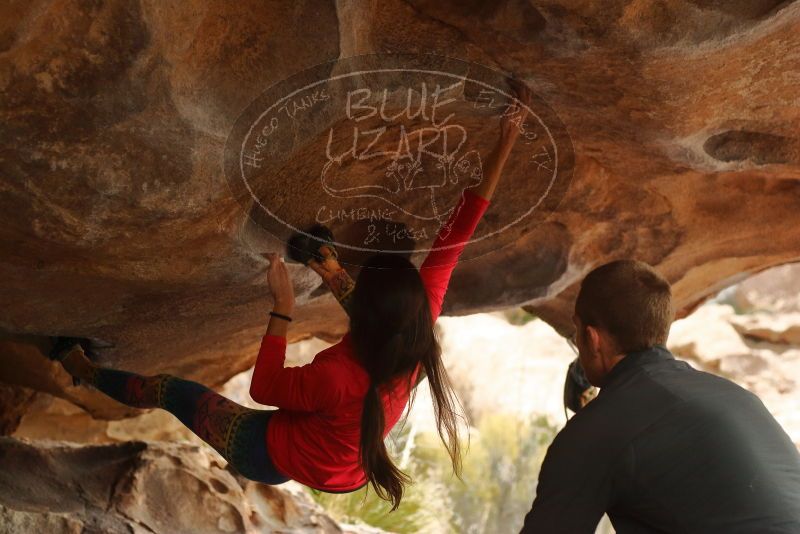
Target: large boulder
[136,486]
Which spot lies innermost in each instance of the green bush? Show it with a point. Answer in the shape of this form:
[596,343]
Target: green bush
[518,316]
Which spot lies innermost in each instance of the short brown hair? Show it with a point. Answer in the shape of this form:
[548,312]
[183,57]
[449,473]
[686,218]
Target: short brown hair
[630,300]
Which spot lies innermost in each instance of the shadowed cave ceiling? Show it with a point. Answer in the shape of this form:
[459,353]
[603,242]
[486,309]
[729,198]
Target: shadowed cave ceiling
[118,222]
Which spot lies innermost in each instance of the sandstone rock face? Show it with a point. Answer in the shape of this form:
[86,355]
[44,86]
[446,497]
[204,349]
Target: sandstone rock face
[142,487]
[15,401]
[784,330]
[116,221]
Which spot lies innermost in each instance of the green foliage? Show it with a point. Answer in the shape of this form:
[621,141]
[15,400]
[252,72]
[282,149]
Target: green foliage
[519,316]
[499,479]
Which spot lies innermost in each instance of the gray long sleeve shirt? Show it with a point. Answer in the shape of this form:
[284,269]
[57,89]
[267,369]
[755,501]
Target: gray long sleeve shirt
[666,448]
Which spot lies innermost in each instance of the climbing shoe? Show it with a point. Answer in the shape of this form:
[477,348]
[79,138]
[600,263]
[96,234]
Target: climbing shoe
[64,345]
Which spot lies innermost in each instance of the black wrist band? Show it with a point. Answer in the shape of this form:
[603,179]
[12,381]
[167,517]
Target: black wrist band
[280,315]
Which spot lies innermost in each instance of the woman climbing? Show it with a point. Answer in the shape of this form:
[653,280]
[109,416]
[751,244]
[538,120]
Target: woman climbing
[333,413]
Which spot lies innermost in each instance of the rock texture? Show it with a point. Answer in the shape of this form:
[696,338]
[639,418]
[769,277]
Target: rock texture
[116,221]
[139,487]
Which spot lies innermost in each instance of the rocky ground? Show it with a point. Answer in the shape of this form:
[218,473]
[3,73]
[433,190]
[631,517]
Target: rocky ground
[143,487]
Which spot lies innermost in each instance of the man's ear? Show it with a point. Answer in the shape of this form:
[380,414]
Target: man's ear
[593,340]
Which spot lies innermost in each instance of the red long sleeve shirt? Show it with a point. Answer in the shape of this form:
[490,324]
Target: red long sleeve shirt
[314,436]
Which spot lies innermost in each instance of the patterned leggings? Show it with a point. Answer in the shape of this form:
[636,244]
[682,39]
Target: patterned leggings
[236,432]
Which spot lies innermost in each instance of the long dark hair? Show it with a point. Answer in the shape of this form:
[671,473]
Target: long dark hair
[392,331]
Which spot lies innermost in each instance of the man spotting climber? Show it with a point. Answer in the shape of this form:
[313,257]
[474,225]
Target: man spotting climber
[663,448]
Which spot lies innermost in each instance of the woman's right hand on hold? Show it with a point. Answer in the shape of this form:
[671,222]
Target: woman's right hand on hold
[513,119]
[280,284]
[512,123]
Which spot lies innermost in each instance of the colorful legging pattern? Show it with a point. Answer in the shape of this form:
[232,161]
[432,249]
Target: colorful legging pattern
[238,433]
